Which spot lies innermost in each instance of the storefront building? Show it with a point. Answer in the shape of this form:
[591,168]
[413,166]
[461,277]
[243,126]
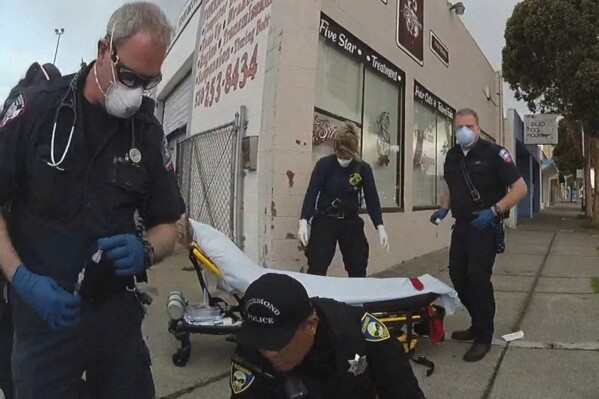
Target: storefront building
[174,93]
[529,159]
[550,183]
[295,71]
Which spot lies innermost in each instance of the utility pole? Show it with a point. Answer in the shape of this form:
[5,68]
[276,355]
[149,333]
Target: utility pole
[59,33]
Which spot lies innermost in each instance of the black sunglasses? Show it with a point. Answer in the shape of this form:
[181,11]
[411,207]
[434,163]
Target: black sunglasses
[132,79]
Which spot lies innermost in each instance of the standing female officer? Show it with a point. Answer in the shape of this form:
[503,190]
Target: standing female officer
[333,201]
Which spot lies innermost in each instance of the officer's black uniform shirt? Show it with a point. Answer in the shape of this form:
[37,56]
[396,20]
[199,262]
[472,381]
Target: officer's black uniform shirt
[57,216]
[100,125]
[330,181]
[325,371]
[491,169]
[14,93]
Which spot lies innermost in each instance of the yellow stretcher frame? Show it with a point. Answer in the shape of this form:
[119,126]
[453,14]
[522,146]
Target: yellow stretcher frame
[390,319]
[204,260]
[209,265]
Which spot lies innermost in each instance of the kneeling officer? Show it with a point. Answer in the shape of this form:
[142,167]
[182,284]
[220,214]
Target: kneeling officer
[291,346]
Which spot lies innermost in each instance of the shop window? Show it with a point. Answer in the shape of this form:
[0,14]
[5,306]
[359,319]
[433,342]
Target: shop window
[339,83]
[433,137]
[349,91]
[380,134]
[444,142]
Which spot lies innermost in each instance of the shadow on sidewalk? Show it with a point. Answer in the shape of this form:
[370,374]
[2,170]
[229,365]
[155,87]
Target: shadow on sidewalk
[564,216]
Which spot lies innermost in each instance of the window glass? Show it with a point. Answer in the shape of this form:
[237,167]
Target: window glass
[425,152]
[380,134]
[433,137]
[444,143]
[347,91]
[339,83]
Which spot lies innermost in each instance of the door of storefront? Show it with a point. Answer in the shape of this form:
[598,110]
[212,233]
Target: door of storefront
[177,106]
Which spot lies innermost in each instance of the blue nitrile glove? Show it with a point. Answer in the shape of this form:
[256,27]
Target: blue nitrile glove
[58,308]
[127,253]
[439,214]
[484,219]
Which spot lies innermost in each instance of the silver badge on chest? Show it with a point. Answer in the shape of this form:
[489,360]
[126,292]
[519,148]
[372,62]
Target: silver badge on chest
[134,155]
[357,365]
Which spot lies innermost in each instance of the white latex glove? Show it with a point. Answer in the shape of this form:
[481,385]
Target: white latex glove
[303,234]
[383,237]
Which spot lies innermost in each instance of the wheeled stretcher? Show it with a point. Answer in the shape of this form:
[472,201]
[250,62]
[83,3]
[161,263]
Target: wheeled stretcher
[405,305]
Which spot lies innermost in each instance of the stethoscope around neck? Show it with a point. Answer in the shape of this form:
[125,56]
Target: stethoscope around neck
[68,102]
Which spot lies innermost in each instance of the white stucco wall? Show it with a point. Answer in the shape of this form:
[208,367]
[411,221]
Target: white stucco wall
[281,102]
[179,57]
[295,36]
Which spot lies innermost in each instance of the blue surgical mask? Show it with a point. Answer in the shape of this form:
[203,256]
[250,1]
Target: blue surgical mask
[465,137]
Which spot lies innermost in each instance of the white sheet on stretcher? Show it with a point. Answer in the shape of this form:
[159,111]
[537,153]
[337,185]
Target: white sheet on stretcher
[240,271]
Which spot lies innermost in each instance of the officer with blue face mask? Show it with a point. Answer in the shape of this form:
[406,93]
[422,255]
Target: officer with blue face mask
[80,156]
[333,201]
[482,185]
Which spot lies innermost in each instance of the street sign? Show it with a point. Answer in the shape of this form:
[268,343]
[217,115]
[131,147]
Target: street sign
[580,173]
[540,129]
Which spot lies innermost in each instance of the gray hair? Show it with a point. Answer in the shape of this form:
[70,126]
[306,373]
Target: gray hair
[468,112]
[132,18]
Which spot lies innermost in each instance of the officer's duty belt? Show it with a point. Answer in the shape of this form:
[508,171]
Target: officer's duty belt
[340,215]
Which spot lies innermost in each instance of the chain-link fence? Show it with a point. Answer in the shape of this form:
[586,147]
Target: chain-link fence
[208,166]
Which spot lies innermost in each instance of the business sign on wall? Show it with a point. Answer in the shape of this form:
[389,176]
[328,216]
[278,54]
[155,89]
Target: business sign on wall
[190,8]
[428,99]
[439,49]
[540,129]
[230,60]
[409,34]
[337,36]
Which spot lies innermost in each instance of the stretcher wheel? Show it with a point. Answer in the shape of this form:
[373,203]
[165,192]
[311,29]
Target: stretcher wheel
[181,358]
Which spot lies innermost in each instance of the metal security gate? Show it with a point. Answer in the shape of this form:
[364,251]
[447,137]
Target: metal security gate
[210,172]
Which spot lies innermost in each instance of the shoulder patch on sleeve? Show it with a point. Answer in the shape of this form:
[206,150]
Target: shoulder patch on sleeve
[166,155]
[374,330]
[14,111]
[241,378]
[505,155]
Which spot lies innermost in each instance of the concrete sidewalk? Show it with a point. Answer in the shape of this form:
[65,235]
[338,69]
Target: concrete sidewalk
[544,287]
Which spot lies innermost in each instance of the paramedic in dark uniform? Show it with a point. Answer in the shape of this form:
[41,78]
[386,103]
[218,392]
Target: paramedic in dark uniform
[291,346]
[492,172]
[79,156]
[36,73]
[332,201]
